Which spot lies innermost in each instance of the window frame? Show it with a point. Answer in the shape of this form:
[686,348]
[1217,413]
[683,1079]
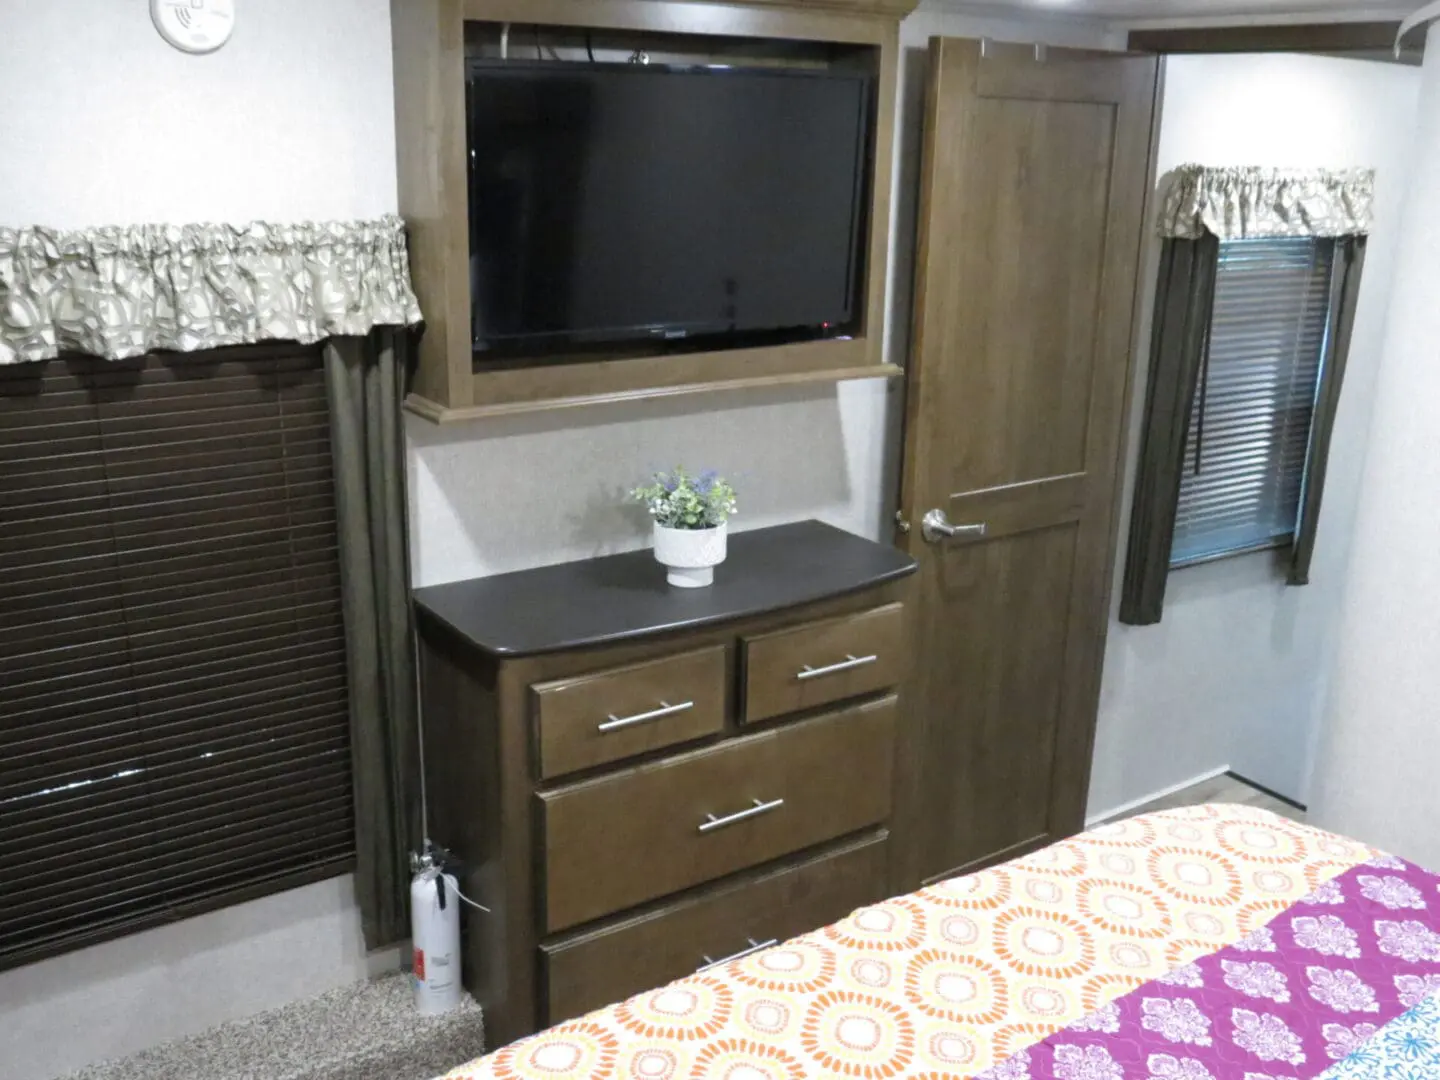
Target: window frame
[1321,250]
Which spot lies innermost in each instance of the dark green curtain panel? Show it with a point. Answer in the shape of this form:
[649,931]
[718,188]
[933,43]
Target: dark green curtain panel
[1344,291]
[366,381]
[1183,302]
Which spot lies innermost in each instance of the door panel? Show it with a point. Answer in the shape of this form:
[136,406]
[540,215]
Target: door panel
[995,750]
[1034,182]
[1044,171]
[1017,508]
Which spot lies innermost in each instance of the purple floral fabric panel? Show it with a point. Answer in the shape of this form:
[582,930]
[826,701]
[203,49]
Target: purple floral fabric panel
[1285,1003]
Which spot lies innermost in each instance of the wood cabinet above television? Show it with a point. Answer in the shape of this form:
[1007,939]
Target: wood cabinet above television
[433,42]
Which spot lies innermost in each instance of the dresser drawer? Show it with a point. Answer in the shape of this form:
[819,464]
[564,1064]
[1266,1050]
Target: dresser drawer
[649,831]
[610,715]
[609,965]
[822,662]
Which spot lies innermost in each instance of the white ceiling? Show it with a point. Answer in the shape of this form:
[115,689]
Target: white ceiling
[1199,11]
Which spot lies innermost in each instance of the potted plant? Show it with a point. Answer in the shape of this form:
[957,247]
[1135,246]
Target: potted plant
[690,513]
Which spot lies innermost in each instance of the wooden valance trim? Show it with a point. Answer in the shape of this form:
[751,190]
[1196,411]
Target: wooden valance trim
[894,9]
[1358,40]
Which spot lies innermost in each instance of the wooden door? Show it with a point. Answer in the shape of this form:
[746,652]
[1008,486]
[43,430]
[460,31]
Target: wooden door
[1035,175]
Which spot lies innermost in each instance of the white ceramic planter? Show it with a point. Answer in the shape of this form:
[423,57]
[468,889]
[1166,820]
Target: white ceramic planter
[690,555]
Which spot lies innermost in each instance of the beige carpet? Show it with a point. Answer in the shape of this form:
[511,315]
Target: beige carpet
[369,1031]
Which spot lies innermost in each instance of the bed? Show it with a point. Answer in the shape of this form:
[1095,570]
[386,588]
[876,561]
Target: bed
[1204,943]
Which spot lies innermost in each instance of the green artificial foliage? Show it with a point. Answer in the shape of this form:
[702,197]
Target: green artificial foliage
[679,500]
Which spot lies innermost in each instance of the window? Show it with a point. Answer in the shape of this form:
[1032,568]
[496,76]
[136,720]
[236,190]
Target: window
[174,730]
[1247,361]
[1246,445]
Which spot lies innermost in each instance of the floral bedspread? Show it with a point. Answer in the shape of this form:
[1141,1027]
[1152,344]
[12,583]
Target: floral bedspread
[1288,1000]
[1206,943]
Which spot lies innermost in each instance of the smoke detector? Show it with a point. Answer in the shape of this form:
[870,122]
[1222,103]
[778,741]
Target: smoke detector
[194,26]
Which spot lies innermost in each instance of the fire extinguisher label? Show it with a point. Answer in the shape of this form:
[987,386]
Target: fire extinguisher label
[419,966]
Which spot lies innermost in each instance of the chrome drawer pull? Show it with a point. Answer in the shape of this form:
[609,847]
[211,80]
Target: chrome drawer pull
[755,946]
[712,822]
[849,662]
[615,723]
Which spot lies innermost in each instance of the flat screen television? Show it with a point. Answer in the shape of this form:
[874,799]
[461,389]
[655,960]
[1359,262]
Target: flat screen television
[624,202]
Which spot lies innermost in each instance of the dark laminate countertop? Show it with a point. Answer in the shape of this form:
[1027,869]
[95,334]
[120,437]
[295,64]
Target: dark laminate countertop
[619,597]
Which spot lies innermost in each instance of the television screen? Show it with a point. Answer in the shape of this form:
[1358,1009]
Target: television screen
[624,202]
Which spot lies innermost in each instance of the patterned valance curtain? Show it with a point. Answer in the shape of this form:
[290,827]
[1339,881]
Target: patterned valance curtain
[1255,203]
[122,291]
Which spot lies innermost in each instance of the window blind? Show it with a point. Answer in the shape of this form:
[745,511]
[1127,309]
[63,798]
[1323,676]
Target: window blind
[1249,428]
[172,669]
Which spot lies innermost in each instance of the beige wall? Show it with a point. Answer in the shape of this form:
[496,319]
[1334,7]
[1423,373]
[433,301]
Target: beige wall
[1381,761]
[106,124]
[1235,673]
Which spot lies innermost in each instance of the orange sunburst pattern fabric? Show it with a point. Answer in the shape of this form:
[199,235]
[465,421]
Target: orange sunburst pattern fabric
[955,978]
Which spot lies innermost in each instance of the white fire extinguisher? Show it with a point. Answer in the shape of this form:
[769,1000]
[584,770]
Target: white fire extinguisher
[435,934]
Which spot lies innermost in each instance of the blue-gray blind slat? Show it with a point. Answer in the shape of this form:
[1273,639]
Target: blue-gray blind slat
[1251,421]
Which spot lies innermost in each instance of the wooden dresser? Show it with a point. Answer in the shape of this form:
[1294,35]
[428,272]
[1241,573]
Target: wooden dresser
[644,780]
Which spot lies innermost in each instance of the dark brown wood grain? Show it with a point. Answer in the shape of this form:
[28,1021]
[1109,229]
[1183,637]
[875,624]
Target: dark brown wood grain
[992,858]
[429,54]
[633,836]
[482,760]
[569,712]
[774,662]
[795,20]
[624,598]
[644,380]
[428,59]
[1020,507]
[544,667]
[1363,40]
[749,18]
[595,968]
[466,789]
[1035,177]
